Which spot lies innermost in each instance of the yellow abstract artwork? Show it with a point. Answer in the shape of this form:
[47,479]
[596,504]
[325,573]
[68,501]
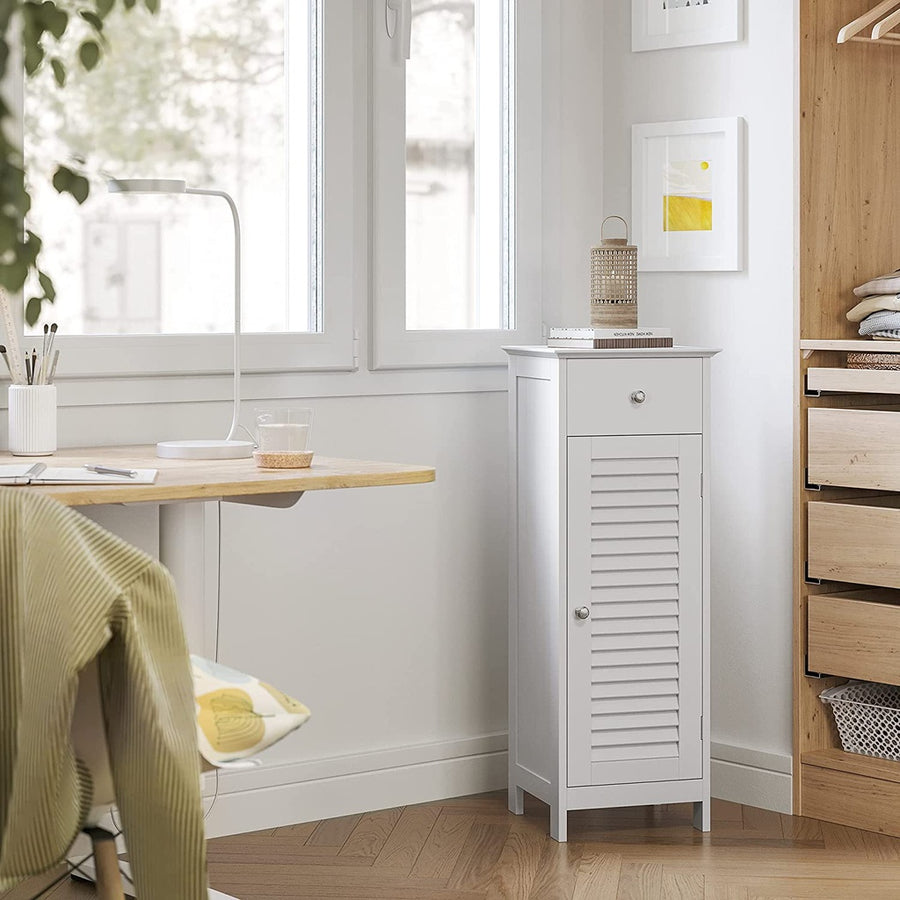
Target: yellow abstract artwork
[686,214]
[687,196]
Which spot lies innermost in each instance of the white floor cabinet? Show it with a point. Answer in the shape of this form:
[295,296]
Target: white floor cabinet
[609,579]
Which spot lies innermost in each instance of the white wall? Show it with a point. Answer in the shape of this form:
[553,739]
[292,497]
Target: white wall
[573,152]
[384,609]
[389,614]
[749,315]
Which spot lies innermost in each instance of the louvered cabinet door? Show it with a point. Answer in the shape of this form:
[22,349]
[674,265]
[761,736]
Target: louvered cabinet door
[635,562]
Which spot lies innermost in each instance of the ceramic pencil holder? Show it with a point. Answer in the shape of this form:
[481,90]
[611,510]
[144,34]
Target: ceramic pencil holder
[32,419]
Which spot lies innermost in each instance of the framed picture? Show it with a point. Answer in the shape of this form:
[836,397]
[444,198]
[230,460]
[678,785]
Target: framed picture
[687,195]
[659,24]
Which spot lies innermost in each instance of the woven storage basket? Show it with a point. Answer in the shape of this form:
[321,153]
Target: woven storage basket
[614,281]
[873,361]
[867,715]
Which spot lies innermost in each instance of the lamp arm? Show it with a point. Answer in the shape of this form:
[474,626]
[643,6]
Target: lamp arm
[235,420]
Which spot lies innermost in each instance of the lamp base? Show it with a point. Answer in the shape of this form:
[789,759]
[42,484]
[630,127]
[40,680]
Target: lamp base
[204,449]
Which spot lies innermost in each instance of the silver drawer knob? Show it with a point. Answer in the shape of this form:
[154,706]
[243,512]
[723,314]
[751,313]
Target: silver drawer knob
[638,396]
[582,613]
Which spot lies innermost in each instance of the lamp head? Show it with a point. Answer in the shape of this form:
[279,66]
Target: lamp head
[146,186]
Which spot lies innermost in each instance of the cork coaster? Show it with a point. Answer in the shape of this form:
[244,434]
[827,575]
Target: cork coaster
[292,459]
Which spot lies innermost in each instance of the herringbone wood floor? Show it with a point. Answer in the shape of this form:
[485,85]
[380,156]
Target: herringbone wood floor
[472,848]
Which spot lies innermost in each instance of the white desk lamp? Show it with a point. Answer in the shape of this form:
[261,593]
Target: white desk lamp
[231,447]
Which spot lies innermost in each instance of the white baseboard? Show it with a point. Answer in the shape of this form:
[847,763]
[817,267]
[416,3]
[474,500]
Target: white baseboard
[270,797]
[754,777]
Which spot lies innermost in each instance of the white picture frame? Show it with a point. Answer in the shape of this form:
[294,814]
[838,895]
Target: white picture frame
[661,24]
[687,195]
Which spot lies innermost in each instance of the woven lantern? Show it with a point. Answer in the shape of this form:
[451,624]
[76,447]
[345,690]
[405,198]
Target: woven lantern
[614,281]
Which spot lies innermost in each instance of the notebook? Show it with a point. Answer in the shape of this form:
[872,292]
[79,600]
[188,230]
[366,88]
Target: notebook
[39,473]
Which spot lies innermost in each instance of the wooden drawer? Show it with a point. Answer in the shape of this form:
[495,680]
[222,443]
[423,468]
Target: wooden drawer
[599,396]
[872,804]
[854,381]
[856,541]
[856,635]
[854,448]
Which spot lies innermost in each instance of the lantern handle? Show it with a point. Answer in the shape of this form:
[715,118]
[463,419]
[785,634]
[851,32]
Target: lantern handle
[603,225]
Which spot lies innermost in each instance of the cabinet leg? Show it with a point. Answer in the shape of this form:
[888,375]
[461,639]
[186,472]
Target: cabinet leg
[559,824]
[702,815]
[516,800]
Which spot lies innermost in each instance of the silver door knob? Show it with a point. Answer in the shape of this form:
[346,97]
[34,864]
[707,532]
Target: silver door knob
[582,613]
[638,396]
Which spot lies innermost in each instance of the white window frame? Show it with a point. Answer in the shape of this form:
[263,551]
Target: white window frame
[391,345]
[331,348]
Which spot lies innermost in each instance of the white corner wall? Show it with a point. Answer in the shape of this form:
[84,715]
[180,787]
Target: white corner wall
[748,314]
[385,609]
[572,150]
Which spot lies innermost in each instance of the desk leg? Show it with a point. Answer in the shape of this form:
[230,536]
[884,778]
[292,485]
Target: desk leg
[189,549]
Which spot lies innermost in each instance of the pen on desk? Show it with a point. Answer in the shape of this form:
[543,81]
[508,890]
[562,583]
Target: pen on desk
[108,470]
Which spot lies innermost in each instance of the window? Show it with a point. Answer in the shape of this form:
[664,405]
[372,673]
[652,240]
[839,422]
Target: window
[272,102]
[444,126]
[225,95]
[454,186]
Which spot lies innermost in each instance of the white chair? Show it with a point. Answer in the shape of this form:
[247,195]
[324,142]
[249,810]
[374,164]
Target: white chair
[95,680]
[111,876]
[105,870]
[88,738]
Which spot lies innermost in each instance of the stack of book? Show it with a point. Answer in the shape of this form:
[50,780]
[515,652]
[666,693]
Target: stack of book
[610,338]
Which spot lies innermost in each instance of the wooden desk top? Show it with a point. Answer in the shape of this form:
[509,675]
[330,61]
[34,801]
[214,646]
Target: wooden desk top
[207,479]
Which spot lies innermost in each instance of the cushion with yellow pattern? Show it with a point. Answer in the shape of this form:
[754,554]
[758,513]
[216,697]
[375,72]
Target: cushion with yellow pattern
[238,715]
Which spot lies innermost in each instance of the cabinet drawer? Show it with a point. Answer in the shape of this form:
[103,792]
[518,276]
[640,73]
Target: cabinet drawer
[854,448]
[601,396]
[855,541]
[856,635]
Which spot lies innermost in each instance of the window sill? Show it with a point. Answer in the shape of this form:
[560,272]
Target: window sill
[265,386]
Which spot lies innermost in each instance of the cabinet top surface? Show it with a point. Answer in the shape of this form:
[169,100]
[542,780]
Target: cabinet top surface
[590,353]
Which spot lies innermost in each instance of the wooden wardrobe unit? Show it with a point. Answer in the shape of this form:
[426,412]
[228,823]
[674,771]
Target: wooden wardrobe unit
[847,430]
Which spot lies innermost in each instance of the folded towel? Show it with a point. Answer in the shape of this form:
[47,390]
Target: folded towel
[874,304]
[883,320]
[883,284]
